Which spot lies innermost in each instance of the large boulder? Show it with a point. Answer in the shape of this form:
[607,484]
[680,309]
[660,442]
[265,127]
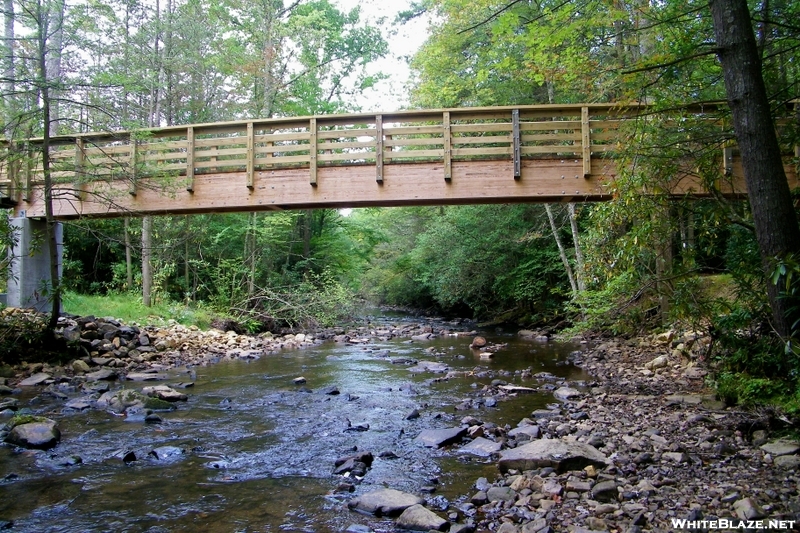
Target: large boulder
[38,433]
[384,502]
[418,518]
[559,454]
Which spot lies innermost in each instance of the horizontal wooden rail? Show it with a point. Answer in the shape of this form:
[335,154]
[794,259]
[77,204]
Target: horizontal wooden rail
[579,138]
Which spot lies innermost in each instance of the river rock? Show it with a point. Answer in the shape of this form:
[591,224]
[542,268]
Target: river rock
[789,462]
[748,509]
[163,392]
[419,518]
[41,434]
[605,491]
[145,376]
[559,454]
[566,393]
[163,453]
[9,403]
[104,374]
[79,404]
[35,379]
[120,400]
[436,438]
[781,447]
[430,366]
[481,447]
[501,494]
[384,502]
[478,342]
[80,366]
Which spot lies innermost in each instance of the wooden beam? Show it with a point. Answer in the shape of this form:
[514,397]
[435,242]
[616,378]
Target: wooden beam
[251,156]
[586,142]
[379,149]
[517,145]
[448,146]
[190,159]
[312,148]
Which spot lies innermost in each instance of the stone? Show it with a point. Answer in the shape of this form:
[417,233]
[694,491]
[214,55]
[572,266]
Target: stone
[558,454]
[384,502]
[527,432]
[478,342]
[788,462]
[40,434]
[36,379]
[162,392]
[80,366]
[605,491]
[566,393]
[163,453]
[419,518]
[659,362]
[781,447]
[676,457]
[748,509]
[504,494]
[104,374]
[145,376]
[578,486]
[79,404]
[507,527]
[436,438]
[481,447]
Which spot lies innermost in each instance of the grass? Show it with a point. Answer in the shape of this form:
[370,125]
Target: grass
[129,308]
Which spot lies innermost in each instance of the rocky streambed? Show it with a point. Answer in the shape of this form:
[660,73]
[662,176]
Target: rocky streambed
[407,425]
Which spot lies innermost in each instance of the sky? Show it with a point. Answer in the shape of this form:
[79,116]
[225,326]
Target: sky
[404,41]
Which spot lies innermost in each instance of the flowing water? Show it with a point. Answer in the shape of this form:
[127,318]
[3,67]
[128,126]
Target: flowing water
[259,451]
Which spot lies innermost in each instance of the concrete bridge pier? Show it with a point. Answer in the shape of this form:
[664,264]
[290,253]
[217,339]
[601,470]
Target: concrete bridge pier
[29,276]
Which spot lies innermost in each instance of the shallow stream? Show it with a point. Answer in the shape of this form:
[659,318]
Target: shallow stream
[259,450]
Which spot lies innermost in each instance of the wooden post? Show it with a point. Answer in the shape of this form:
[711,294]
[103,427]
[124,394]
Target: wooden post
[133,164]
[586,142]
[447,141]
[251,156]
[517,144]
[190,159]
[312,148]
[727,159]
[28,174]
[80,164]
[379,146]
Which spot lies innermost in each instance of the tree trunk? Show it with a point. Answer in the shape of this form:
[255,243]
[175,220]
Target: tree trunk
[128,255]
[53,60]
[8,52]
[775,221]
[561,251]
[147,266]
[580,277]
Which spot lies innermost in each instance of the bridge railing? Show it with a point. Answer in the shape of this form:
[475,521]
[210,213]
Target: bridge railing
[258,147]
[253,146]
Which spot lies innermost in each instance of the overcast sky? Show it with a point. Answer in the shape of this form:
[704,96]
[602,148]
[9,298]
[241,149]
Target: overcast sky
[390,95]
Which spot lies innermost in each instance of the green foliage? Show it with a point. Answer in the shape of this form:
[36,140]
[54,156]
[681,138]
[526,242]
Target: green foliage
[21,334]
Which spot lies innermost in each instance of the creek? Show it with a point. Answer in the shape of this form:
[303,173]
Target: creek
[259,450]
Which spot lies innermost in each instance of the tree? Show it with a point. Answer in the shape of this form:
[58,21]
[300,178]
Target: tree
[774,217]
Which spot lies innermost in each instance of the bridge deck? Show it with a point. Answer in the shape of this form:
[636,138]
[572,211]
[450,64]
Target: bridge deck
[456,156]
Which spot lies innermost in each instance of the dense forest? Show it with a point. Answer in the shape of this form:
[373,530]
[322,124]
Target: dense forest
[639,262]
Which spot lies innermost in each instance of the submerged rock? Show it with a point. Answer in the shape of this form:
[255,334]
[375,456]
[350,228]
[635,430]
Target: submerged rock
[436,438]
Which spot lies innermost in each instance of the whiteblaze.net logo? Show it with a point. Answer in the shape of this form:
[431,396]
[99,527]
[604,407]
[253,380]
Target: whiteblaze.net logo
[730,524]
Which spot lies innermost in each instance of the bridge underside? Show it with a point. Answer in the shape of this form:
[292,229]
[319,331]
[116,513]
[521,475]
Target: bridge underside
[473,182]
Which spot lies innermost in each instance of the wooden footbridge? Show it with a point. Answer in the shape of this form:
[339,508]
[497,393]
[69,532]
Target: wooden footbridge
[546,153]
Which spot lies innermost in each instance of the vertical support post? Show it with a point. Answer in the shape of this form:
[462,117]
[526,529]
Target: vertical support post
[27,171]
[517,144]
[80,165]
[448,146]
[251,156]
[30,264]
[586,142]
[190,159]
[379,149]
[727,160]
[312,148]
[797,166]
[133,164]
